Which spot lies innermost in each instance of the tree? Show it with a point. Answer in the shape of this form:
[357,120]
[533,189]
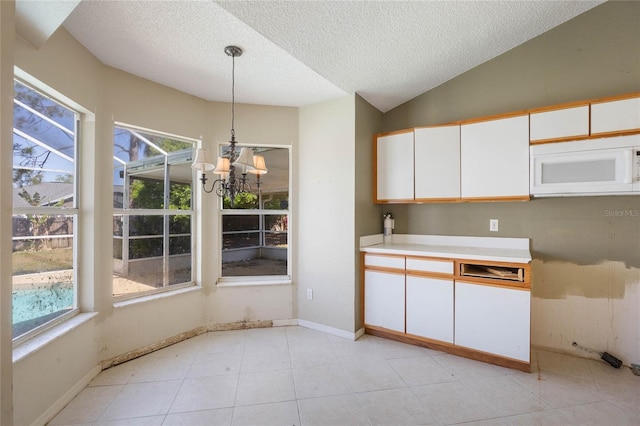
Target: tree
[27,156]
[242,200]
[40,223]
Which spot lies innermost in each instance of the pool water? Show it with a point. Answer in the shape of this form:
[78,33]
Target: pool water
[36,302]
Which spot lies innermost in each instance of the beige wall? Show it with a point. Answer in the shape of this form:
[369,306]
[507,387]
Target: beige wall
[106,95]
[325,192]
[586,268]
[7,24]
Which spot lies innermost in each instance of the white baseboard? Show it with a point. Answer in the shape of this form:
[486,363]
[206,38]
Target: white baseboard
[330,330]
[319,327]
[66,398]
[285,322]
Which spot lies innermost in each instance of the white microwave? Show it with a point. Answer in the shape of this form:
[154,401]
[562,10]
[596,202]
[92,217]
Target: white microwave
[603,166]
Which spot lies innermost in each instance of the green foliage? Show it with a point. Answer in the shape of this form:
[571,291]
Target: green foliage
[275,203]
[146,194]
[243,200]
[180,198]
[40,223]
[66,178]
[27,154]
[149,194]
[170,145]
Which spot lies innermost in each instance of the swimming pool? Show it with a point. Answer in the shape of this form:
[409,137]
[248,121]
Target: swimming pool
[38,301]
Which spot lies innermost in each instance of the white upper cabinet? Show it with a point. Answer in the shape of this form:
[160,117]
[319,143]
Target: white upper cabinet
[615,116]
[437,162]
[394,167]
[495,159]
[560,124]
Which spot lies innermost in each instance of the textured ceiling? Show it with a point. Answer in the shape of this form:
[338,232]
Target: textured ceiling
[303,52]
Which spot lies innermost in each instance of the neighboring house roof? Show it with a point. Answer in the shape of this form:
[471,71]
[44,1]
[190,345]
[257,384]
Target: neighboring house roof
[50,193]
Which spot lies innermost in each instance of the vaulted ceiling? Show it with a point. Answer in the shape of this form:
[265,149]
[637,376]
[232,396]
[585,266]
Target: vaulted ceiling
[296,53]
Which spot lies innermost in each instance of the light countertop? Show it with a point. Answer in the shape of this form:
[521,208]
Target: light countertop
[513,250]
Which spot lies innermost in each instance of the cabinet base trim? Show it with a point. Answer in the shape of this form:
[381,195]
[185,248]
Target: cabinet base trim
[497,198]
[450,348]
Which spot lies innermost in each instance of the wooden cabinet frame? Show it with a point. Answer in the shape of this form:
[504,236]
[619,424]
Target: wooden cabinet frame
[590,135]
[523,284]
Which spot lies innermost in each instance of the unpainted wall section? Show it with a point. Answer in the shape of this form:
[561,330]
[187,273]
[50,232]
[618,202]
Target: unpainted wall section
[586,250]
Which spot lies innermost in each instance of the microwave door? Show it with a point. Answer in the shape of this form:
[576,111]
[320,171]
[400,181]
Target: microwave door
[582,172]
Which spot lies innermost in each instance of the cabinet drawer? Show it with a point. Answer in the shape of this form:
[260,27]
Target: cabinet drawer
[430,265]
[393,262]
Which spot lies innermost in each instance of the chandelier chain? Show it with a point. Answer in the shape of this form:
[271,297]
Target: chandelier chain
[233,95]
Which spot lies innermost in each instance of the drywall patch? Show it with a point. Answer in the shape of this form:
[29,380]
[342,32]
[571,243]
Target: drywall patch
[606,280]
[239,325]
[136,353]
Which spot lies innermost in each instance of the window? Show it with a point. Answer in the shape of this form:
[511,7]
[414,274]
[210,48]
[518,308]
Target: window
[152,222]
[255,229]
[45,210]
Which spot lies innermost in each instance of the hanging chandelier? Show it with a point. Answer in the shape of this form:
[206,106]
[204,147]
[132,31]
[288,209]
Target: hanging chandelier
[227,184]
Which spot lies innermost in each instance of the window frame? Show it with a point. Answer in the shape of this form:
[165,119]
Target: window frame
[73,212]
[166,213]
[246,280]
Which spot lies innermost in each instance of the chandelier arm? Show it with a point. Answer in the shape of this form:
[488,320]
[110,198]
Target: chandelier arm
[221,189]
[217,185]
[244,185]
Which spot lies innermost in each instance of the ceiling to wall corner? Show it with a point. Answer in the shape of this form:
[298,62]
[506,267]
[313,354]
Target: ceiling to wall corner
[296,53]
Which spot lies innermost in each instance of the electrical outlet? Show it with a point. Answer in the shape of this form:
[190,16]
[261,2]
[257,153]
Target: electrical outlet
[310,293]
[493,225]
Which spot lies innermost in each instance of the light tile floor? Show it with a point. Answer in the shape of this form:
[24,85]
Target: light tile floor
[298,376]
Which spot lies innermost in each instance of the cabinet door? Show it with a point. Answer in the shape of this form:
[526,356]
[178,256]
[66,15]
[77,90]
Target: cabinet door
[493,319]
[430,308]
[615,116]
[437,162]
[384,300]
[495,158]
[560,124]
[394,167]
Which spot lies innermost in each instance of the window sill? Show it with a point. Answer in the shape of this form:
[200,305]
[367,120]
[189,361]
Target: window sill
[253,281]
[156,296]
[31,346]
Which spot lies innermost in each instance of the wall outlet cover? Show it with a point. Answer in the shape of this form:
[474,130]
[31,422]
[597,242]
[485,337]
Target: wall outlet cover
[493,225]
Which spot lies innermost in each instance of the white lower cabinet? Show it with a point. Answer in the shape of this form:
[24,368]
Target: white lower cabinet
[430,308]
[476,309]
[384,295]
[493,319]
